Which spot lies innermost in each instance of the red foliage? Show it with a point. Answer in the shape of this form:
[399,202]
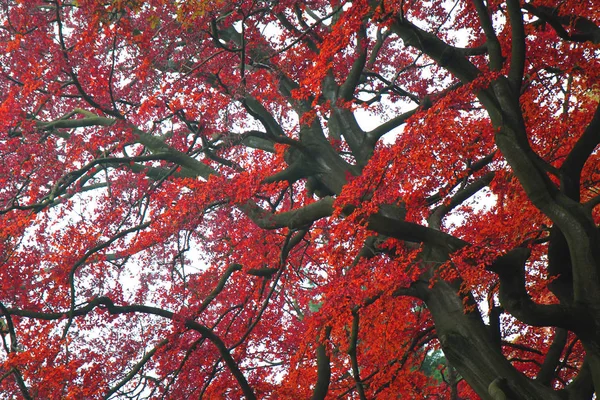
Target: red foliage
[292,199]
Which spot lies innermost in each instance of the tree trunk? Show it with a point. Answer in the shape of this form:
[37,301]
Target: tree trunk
[469,346]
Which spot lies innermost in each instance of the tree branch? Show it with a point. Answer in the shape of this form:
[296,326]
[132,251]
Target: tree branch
[515,299]
[582,387]
[108,304]
[547,373]
[373,136]
[412,232]
[459,197]
[323,369]
[353,356]
[570,170]
[584,29]
[136,368]
[493,45]
[220,286]
[346,91]
[517,61]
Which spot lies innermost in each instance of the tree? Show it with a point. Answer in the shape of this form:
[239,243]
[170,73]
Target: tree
[284,199]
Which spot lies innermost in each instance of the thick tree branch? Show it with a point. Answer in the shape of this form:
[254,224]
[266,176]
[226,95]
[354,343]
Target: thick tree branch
[346,90]
[323,369]
[495,326]
[258,111]
[518,47]
[570,171]
[446,56]
[515,299]
[582,387]
[412,232]
[583,29]
[152,142]
[294,219]
[343,123]
[547,373]
[493,45]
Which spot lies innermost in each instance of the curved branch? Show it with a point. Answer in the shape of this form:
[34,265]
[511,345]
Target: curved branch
[108,304]
[220,285]
[354,357]
[570,171]
[14,348]
[515,299]
[86,256]
[412,232]
[138,366]
[373,136]
[584,28]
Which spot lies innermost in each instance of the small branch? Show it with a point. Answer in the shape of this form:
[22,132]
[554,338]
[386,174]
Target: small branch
[10,327]
[469,171]
[21,384]
[220,286]
[521,347]
[85,257]
[373,136]
[108,304]
[462,195]
[137,367]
